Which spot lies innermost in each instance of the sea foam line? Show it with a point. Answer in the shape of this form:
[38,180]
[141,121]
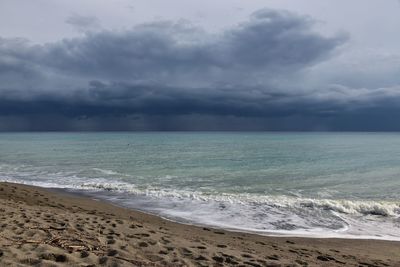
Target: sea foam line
[343,206]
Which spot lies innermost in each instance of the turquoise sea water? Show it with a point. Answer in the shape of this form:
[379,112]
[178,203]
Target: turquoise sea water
[317,184]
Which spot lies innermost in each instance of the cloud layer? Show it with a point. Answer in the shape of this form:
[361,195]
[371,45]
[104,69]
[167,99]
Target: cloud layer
[174,76]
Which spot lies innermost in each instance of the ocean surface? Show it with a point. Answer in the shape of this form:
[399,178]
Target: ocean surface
[302,184]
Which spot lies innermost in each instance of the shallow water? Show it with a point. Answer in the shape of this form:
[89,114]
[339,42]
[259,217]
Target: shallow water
[321,184]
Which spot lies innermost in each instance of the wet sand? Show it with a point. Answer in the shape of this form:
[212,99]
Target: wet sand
[40,227]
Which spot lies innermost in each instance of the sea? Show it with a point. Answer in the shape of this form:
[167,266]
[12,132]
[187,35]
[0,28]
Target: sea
[297,184]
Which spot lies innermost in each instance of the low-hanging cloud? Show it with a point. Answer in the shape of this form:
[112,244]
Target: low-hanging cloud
[175,76]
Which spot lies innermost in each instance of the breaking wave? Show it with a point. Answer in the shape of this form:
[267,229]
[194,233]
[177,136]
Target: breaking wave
[381,208]
[269,214]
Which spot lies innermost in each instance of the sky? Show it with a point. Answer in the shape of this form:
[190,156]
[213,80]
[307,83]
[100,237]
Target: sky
[237,65]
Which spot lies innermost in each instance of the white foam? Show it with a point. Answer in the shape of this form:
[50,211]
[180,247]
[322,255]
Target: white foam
[383,208]
[109,172]
[265,214]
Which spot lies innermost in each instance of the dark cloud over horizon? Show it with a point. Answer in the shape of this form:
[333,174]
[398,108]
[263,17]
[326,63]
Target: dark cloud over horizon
[175,76]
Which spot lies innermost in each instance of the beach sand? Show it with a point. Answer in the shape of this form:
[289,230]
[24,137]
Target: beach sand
[42,227]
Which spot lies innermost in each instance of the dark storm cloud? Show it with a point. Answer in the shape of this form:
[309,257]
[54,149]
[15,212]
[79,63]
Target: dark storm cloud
[142,107]
[269,42]
[278,40]
[174,76]
[123,99]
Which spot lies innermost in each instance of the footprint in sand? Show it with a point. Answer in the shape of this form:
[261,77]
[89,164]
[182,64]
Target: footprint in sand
[84,254]
[231,261]
[152,242]
[165,241]
[325,258]
[163,252]
[111,241]
[186,252]
[54,257]
[273,257]
[170,248]
[112,252]
[103,260]
[143,244]
[201,258]
[218,259]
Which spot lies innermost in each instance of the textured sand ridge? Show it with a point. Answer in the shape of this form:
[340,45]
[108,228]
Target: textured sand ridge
[40,227]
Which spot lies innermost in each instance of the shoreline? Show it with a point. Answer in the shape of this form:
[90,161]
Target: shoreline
[103,197]
[34,217]
[267,233]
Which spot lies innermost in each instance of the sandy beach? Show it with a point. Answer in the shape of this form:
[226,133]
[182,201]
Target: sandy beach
[41,227]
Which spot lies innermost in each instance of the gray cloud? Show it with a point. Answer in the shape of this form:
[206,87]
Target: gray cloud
[268,44]
[174,76]
[83,23]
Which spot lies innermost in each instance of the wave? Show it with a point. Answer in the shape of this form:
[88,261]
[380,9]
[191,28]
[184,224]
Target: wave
[106,172]
[265,214]
[272,214]
[380,208]
[343,206]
